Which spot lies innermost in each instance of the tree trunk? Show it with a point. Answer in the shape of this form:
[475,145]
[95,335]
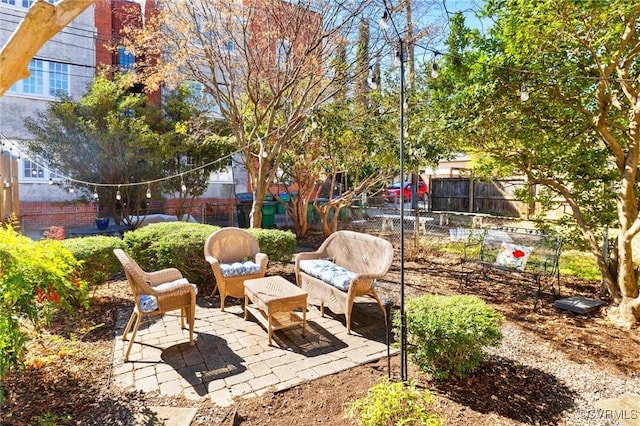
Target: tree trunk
[626,314]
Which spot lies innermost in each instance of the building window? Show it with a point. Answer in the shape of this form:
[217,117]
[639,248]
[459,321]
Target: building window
[34,84]
[125,60]
[222,175]
[22,3]
[46,79]
[58,78]
[283,50]
[203,100]
[31,170]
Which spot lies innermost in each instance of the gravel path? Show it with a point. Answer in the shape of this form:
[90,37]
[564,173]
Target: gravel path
[588,382]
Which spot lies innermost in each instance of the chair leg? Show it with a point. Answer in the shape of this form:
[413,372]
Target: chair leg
[223,295]
[374,294]
[133,336]
[192,319]
[129,324]
[183,313]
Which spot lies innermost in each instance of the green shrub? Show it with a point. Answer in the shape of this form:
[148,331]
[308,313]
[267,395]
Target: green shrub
[395,403]
[37,279]
[172,245]
[446,334]
[96,253]
[278,245]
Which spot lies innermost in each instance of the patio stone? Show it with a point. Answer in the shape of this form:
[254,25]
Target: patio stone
[232,357]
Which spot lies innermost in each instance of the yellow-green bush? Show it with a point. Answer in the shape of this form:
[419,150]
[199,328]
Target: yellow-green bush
[395,403]
[37,279]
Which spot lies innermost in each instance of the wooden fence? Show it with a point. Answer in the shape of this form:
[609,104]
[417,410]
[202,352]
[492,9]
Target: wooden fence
[467,195]
[9,200]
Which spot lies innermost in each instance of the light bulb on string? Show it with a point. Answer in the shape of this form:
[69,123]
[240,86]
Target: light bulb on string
[384,21]
[524,93]
[50,181]
[183,187]
[118,196]
[149,191]
[434,70]
[95,193]
[397,58]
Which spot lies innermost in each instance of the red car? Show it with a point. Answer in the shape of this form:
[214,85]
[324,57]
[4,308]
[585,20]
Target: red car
[392,193]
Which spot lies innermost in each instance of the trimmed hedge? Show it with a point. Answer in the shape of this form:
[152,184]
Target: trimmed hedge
[96,254]
[181,245]
[172,245]
[279,245]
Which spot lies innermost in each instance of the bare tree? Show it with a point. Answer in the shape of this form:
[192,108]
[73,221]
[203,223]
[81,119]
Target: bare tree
[263,62]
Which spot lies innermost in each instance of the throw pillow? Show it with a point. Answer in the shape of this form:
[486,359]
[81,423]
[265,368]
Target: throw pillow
[513,255]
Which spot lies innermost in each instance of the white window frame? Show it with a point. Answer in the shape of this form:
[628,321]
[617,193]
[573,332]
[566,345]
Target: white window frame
[222,175]
[28,164]
[22,4]
[46,80]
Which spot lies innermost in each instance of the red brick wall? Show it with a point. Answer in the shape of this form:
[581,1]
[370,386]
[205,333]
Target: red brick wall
[41,216]
[36,216]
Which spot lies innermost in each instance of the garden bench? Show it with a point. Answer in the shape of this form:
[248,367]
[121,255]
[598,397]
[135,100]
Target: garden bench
[476,218]
[521,258]
[346,266]
[388,221]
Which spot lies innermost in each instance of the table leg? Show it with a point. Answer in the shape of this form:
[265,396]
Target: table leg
[246,303]
[270,327]
[304,320]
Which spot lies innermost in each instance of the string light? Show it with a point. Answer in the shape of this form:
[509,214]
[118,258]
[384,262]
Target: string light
[524,93]
[434,70]
[149,191]
[95,192]
[118,196]
[183,187]
[384,21]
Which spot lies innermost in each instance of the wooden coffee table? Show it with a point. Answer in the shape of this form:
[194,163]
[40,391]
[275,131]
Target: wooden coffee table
[273,300]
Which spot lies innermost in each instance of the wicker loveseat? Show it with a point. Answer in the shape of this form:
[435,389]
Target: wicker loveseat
[346,266]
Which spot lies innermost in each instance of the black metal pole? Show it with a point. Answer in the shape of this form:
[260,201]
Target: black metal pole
[387,322]
[403,319]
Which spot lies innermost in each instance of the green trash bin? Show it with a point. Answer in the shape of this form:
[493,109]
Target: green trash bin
[280,209]
[269,214]
[245,202]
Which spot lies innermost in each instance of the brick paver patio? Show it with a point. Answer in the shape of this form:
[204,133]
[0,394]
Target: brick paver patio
[232,357]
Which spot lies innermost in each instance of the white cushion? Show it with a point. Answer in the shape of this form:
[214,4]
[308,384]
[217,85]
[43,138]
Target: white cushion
[149,303]
[328,272]
[239,268]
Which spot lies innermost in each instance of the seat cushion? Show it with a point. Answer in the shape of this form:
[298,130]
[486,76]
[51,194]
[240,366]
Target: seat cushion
[328,272]
[149,303]
[239,268]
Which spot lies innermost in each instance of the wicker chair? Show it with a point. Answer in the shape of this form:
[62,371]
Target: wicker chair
[234,256]
[169,291]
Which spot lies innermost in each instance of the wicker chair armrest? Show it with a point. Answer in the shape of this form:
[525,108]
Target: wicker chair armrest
[163,276]
[174,290]
[211,260]
[307,255]
[262,259]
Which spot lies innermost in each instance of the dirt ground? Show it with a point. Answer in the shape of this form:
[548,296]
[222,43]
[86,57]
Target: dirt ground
[67,376]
